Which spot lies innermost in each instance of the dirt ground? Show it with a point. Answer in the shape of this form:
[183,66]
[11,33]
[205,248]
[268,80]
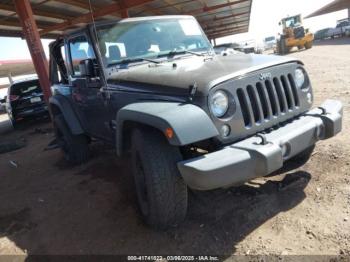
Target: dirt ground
[49,207]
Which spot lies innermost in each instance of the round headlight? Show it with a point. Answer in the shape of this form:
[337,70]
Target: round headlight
[299,77]
[219,103]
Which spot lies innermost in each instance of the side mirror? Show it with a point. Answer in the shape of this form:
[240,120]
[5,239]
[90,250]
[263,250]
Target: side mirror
[86,68]
[279,23]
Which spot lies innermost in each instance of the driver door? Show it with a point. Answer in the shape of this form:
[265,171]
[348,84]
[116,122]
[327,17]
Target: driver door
[91,101]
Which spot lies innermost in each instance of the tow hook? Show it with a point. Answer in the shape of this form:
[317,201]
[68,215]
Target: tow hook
[324,111]
[263,139]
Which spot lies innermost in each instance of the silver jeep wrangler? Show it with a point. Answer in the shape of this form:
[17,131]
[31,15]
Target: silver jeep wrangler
[154,87]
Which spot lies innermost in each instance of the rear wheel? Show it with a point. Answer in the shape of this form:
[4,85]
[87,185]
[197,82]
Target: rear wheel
[74,147]
[161,191]
[13,121]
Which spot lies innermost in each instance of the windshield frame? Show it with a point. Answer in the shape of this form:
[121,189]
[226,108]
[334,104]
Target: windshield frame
[160,56]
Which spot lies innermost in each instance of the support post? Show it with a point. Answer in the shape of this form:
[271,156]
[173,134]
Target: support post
[124,13]
[31,34]
[10,78]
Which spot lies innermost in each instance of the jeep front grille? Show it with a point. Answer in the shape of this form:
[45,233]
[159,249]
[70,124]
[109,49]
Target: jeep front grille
[264,100]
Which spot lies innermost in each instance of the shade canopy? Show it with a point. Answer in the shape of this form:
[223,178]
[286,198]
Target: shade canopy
[218,17]
[334,6]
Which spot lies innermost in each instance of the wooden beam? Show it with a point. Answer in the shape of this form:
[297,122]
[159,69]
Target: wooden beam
[227,34]
[125,12]
[12,21]
[225,24]
[86,18]
[19,33]
[31,34]
[170,5]
[36,11]
[215,7]
[148,9]
[230,16]
[76,3]
[241,27]
[217,12]
[227,29]
[212,22]
[170,2]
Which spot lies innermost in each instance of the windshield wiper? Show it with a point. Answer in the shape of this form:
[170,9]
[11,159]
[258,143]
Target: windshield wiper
[129,61]
[194,53]
[175,52]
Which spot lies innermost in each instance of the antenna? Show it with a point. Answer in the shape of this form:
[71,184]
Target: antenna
[96,36]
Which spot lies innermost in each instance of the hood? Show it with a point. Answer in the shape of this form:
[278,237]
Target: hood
[179,75]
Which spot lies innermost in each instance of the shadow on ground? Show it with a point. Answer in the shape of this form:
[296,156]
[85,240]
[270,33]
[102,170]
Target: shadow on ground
[57,209]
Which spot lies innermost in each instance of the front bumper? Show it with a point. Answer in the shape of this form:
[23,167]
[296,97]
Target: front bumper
[264,153]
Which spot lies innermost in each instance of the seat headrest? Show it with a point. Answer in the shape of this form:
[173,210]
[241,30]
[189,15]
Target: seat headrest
[114,52]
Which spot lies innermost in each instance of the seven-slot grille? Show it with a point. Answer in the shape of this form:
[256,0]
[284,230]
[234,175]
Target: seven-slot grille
[267,99]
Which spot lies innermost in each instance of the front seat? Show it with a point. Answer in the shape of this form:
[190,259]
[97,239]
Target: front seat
[114,53]
[141,47]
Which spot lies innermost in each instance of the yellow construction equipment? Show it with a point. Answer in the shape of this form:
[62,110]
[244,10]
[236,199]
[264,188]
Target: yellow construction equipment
[294,35]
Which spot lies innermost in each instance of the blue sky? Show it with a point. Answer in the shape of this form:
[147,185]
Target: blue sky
[16,48]
[264,22]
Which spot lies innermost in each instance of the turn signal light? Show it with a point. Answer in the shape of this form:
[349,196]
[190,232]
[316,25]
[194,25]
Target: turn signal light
[169,132]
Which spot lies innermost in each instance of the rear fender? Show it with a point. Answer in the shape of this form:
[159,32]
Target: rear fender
[65,108]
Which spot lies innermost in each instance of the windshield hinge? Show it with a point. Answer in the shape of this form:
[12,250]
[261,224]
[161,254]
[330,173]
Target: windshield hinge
[192,91]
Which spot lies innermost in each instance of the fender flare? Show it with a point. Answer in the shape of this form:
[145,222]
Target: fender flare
[189,123]
[68,113]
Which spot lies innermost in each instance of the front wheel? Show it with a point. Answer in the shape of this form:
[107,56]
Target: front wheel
[161,191]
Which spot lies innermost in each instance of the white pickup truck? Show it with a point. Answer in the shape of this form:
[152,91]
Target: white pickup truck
[340,29]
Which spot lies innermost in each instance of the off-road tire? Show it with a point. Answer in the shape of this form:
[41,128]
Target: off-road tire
[12,120]
[308,45]
[161,191]
[75,147]
[304,156]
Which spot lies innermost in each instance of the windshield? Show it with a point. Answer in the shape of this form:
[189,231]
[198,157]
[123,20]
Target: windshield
[292,21]
[137,40]
[25,88]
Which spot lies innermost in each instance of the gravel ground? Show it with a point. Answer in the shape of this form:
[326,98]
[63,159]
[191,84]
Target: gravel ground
[49,207]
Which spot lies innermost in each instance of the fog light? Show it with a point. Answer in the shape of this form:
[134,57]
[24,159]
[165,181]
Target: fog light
[319,132]
[309,98]
[225,131]
[285,150]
